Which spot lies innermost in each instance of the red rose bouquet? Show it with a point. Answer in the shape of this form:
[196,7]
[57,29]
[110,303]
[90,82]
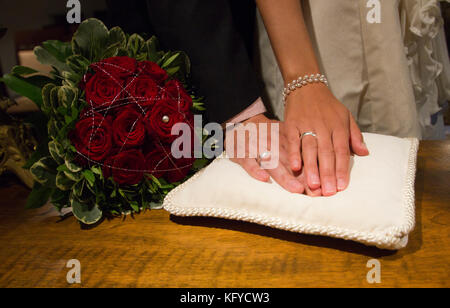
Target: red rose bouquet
[110,104]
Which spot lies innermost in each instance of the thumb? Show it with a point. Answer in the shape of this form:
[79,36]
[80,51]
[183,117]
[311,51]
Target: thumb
[356,139]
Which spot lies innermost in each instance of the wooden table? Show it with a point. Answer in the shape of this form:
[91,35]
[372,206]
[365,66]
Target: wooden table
[156,250]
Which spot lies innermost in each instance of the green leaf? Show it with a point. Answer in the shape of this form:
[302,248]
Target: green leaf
[156,181]
[136,46]
[177,65]
[90,40]
[198,106]
[135,206]
[173,70]
[19,70]
[78,189]
[117,40]
[39,196]
[67,96]
[24,87]
[87,214]
[74,176]
[47,58]
[200,163]
[90,177]
[56,151]
[46,101]
[44,171]
[62,168]
[152,46]
[63,182]
[169,60]
[71,78]
[54,102]
[60,50]
[78,64]
[72,167]
[97,170]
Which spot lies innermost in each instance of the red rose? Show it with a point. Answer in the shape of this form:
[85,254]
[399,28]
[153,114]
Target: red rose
[157,161]
[126,168]
[175,91]
[102,91]
[92,137]
[151,69]
[163,117]
[160,163]
[116,67]
[142,90]
[129,128]
[179,169]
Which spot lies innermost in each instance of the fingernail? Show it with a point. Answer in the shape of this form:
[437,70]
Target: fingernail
[364,145]
[341,184]
[315,180]
[296,164]
[329,188]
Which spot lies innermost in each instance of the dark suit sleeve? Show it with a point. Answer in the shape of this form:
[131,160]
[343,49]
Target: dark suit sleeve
[205,29]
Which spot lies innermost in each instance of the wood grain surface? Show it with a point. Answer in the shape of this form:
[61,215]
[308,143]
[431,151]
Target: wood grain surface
[154,249]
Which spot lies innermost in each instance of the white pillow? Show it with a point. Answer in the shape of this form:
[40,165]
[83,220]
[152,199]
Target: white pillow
[376,209]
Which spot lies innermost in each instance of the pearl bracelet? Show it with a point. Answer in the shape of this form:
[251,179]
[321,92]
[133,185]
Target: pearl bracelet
[303,81]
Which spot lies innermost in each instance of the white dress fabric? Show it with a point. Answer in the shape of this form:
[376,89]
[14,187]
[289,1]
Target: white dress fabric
[391,75]
[376,209]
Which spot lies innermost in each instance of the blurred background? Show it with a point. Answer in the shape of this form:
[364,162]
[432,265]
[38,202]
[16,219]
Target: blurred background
[26,24]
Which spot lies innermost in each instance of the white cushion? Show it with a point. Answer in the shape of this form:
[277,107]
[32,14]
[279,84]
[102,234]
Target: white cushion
[376,209]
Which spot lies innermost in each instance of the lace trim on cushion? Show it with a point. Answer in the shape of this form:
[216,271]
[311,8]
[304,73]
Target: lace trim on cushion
[392,238]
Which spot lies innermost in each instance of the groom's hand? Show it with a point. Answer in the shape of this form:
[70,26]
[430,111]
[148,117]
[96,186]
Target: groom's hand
[281,172]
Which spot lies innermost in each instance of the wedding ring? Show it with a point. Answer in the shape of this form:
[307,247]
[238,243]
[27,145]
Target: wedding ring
[265,155]
[308,134]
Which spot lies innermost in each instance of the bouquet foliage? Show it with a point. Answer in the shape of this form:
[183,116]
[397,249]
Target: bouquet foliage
[107,112]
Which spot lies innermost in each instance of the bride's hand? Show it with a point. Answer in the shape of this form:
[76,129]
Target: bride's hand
[325,158]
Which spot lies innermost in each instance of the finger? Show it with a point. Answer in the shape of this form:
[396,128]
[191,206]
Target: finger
[326,162]
[313,193]
[356,139]
[342,150]
[293,139]
[310,192]
[286,180]
[253,169]
[309,152]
